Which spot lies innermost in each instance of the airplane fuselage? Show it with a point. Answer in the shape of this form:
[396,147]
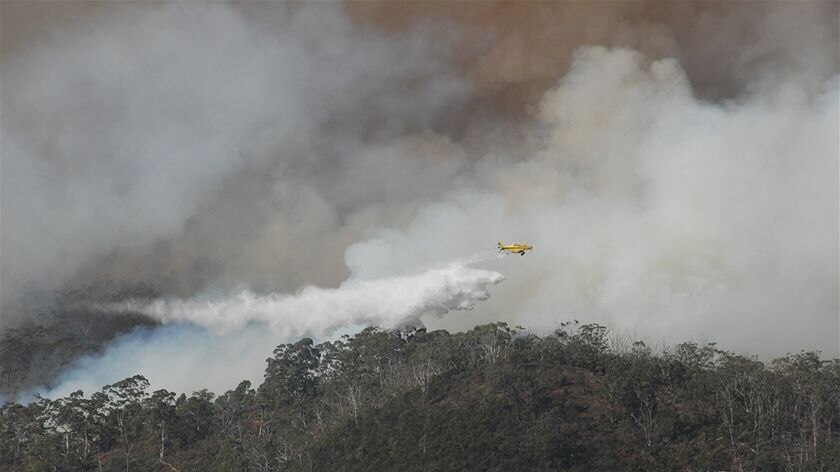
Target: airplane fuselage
[516,248]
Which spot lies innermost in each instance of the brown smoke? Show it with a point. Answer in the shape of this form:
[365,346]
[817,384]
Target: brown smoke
[513,51]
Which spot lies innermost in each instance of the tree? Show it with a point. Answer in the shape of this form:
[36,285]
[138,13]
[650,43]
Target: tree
[124,406]
[290,373]
[161,415]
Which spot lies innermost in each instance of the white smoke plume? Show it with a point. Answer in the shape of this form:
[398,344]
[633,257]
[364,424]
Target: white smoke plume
[655,212]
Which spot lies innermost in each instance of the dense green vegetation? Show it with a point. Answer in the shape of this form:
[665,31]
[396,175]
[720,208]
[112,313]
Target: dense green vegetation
[494,398]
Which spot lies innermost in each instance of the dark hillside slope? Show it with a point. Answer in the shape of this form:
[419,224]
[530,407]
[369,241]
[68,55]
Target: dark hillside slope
[494,398]
[462,423]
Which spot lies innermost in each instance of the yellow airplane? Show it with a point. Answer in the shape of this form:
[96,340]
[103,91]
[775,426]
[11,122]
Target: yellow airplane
[515,248]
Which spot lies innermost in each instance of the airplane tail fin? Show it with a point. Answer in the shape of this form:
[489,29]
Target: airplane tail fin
[500,244]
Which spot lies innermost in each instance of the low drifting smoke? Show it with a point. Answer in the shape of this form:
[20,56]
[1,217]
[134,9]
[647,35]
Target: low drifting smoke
[178,357]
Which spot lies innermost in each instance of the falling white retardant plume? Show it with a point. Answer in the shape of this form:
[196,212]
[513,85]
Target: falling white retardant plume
[176,357]
[388,302]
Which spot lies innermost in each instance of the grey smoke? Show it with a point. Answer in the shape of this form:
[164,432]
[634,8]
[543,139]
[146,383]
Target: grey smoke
[657,213]
[158,143]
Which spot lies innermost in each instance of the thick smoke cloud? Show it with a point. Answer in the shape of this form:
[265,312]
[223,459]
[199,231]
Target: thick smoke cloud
[674,165]
[658,213]
[140,147]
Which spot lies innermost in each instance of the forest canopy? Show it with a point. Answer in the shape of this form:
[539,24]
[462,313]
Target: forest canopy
[493,398]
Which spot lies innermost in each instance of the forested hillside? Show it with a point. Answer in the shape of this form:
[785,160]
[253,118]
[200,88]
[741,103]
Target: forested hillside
[494,398]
